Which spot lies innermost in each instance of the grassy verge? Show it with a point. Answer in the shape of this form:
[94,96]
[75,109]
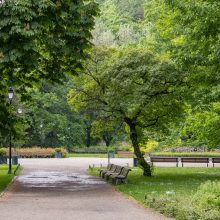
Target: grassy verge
[92,155]
[87,155]
[183,193]
[6,178]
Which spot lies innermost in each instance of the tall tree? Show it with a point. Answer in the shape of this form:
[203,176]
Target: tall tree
[133,86]
[41,40]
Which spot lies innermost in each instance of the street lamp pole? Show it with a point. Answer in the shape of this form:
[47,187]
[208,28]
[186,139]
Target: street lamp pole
[10,96]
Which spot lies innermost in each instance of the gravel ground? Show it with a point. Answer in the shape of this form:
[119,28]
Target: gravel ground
[60,189]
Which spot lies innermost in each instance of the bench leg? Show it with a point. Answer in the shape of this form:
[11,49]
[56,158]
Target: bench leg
[207,165]
[182,164]
[213,165]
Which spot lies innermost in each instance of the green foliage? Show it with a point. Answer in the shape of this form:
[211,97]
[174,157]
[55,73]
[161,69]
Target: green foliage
[50,121]
[40,40]
[187,31]
[5,178]
[202,125]
[203,205]
[207,200]
[58,149]
[2,153]
[133,86]
[119,22]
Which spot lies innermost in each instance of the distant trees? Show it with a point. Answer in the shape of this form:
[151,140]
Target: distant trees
[119,22]
[49,120]
[188,31]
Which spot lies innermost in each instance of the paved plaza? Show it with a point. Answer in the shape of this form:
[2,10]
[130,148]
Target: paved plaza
[61,189]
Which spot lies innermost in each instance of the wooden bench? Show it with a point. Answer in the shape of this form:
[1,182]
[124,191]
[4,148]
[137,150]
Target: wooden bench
[122,153]
[164,160]
[104,171]
[195,160]
[215,160]
[111,169]
[116,173]
[121,177]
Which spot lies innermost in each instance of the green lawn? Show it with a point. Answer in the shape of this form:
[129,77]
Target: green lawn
[92,155]
[86,155]
[170,190]
[5,178]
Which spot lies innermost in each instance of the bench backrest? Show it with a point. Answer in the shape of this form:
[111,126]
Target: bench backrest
[216,160]
[164,159]
[109,166]
[125,171]
[118,169]
[113,168]
[195,159]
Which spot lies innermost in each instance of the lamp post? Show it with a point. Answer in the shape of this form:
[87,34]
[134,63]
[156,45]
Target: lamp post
[10,97]
[20,110]
[41,135]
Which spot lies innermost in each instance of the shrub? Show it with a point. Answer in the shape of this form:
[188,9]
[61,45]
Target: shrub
[207,200]
[58,150]
[203,205]
[2,152]
[35,152]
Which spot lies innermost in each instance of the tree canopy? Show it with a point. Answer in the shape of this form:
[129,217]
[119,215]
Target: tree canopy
[134,86]
[41,40]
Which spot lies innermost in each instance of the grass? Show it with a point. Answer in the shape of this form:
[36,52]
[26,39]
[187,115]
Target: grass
[87,155]
[5,178]
[92,155]
[180,183]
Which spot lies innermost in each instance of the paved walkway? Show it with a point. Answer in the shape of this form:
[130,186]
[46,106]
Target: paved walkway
[60,189]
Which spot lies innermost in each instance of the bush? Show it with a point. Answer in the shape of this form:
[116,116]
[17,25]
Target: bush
[58,150]
[2,152]
[203,205]
[207,200]
[33,152]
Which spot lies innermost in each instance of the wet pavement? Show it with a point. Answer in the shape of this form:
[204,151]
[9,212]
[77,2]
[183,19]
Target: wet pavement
[59,181]
[61,189]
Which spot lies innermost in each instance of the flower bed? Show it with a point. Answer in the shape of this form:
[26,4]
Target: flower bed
[35,152]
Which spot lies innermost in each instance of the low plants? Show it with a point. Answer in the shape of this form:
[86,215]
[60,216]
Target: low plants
[5,178]
[180,193]
[62,151]
[35,152]
[3,152]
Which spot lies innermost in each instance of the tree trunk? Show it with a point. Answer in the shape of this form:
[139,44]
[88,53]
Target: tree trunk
[134,139]
[88,136]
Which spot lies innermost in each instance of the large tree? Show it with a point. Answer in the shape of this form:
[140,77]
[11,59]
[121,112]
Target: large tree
[41,40]
[133,86]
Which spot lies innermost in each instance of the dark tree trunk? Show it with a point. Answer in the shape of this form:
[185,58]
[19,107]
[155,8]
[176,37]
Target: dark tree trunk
[88,136]
[107,137]
[134,139]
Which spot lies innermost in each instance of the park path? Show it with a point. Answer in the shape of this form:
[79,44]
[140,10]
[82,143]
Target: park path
[60,189]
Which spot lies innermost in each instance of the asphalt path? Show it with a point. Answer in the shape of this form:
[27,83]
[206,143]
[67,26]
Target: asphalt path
[61,189]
